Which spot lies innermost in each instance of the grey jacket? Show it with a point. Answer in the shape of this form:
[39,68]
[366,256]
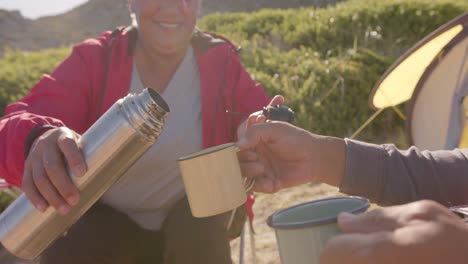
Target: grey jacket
[389,176]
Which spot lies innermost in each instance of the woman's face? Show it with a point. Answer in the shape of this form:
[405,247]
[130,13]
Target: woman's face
[165,25]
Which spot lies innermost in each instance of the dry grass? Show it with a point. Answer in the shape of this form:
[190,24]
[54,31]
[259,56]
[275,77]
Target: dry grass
[265,248]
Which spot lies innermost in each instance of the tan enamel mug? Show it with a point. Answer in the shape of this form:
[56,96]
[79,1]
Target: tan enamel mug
[213,180]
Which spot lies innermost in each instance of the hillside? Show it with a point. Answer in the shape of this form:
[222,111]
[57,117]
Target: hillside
[13,28]
[95,16]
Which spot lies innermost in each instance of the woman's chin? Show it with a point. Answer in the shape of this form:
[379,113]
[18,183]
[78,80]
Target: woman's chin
[170,38]
[167,47]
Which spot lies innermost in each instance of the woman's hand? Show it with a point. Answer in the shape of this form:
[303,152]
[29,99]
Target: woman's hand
[419,232]
[46,181]
[279,155]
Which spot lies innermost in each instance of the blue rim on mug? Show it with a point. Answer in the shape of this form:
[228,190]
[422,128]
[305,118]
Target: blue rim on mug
[321,221]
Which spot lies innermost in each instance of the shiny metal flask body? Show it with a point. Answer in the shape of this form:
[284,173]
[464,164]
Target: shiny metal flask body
[111,146]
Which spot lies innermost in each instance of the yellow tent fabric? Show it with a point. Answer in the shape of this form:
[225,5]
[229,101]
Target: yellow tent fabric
[399,84]
[434,114]
[433,76]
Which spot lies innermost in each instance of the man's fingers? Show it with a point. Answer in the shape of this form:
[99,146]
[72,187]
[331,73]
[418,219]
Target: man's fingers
[261,133]
[344,249]
[252,169]
[359,248]
[265,185]
[252,119]
[390,218]
[260,119]
[372,221]
[264,182]
[247,156]
[277,100]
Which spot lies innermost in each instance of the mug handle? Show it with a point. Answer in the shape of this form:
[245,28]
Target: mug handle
[248,183]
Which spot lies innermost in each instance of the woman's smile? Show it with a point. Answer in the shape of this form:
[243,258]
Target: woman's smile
[169,25]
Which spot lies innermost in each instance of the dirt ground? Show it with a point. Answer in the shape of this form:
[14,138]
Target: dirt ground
[263,250]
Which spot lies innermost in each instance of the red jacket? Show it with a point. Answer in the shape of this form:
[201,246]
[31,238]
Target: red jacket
[71,95]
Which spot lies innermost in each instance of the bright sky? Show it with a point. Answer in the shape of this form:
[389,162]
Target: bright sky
[38,8]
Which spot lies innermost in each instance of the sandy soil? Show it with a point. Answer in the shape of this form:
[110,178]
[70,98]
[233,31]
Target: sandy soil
[263,250]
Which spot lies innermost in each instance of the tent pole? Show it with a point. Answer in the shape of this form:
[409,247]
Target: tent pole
[399,113]
[366,123]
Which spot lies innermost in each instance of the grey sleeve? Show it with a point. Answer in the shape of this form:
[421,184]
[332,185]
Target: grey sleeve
[390,176]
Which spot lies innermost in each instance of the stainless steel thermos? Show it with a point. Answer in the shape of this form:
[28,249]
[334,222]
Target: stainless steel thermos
[113,144]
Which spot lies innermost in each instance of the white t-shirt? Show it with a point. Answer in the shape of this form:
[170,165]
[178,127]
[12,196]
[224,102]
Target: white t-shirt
[148,190]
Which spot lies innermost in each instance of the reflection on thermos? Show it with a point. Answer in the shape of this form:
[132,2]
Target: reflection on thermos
[113,144]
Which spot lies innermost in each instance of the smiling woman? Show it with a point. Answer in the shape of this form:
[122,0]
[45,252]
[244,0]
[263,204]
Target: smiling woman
[35,9]
[175,21]
[145,215]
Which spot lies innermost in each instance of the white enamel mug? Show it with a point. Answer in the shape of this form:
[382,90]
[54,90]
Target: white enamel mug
[302,230]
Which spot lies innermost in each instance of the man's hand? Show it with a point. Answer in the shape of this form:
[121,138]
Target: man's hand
[258,116]
[45,180]
[279,155]
[420,232]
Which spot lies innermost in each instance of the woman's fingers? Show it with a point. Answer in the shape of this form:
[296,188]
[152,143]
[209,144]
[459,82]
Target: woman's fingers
[47,189]
[31,191]
[55,169]
[68,145]
[46,180]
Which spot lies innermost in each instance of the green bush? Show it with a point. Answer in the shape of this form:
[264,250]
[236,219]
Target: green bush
[325,61]
[330,95]
[5,200]
[389,26]
[19,71]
